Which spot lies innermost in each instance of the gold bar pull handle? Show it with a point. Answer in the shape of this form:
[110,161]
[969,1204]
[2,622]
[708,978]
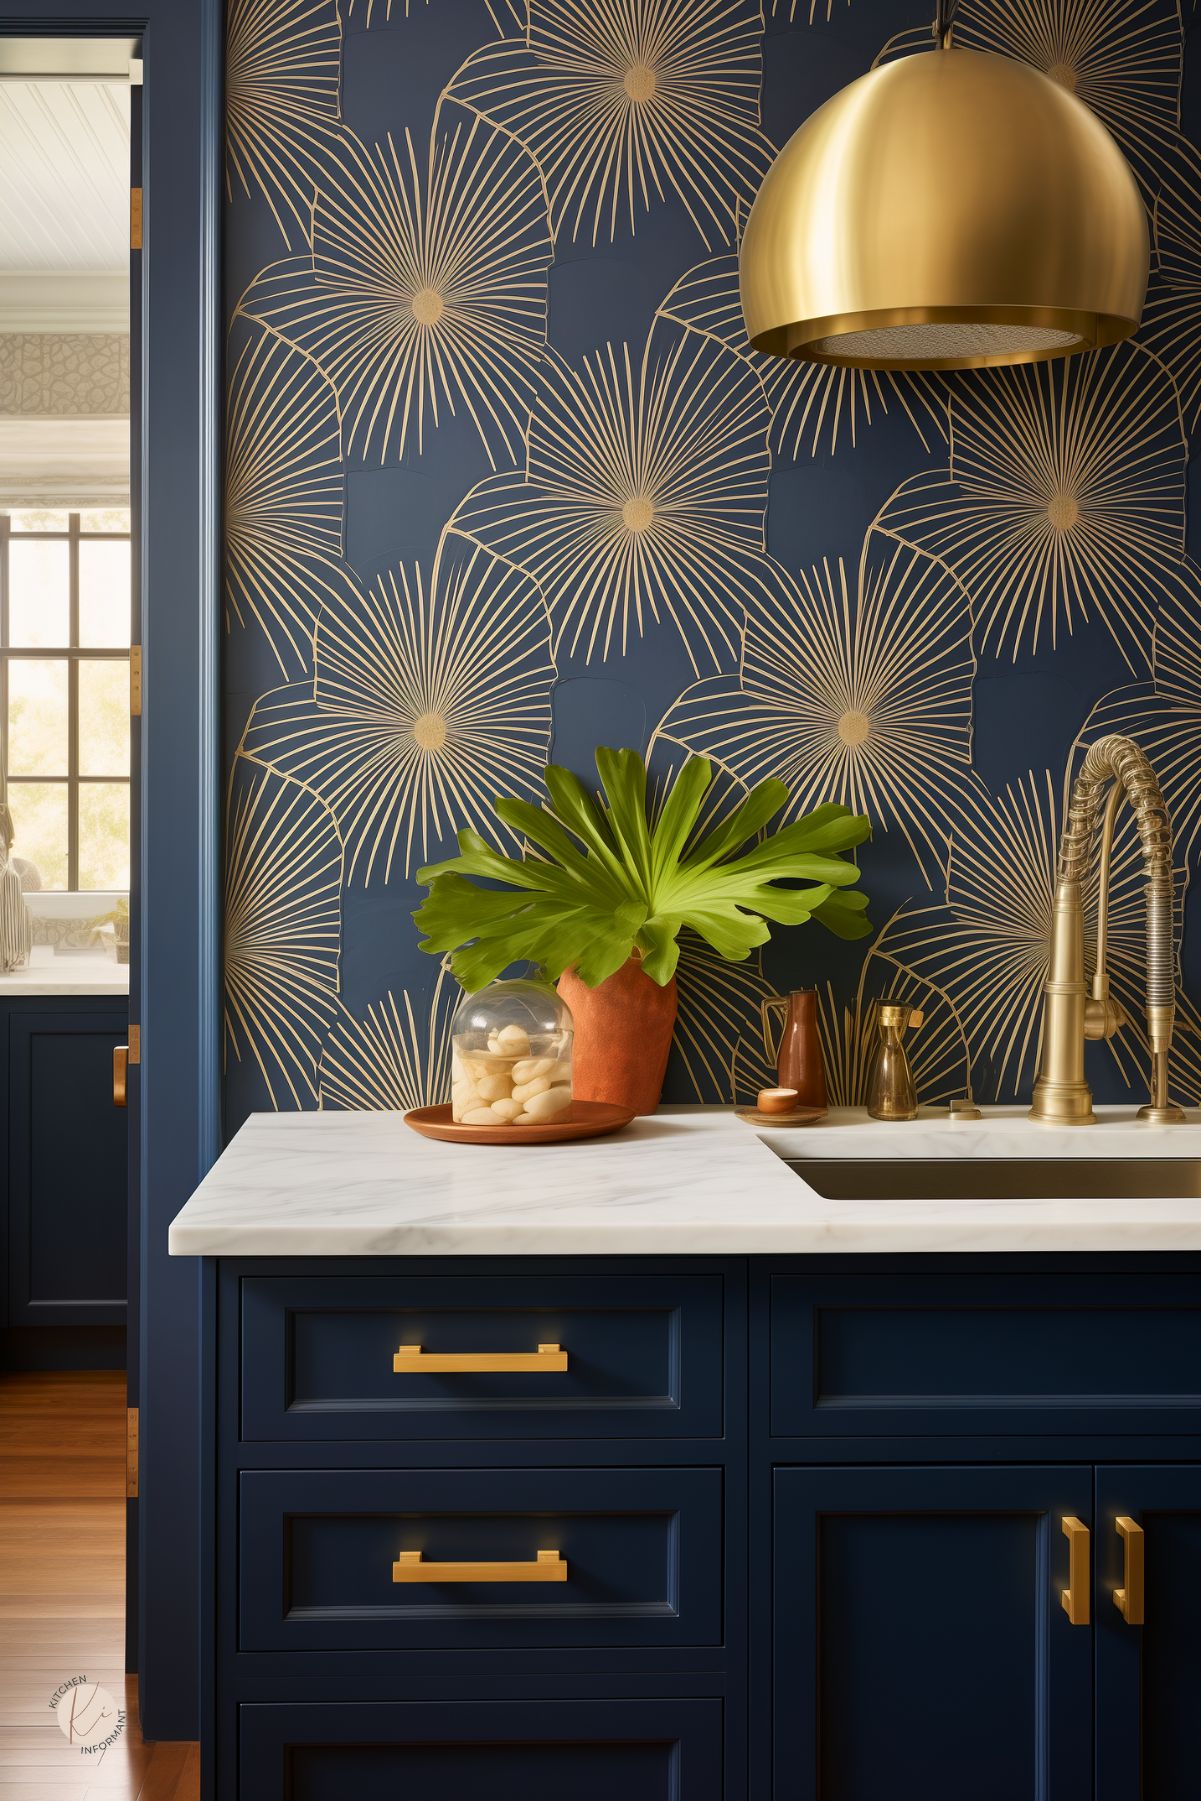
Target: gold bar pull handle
[1074,1597]
[411,1566]
[120,1075]
[1129,1599]
[411,1360]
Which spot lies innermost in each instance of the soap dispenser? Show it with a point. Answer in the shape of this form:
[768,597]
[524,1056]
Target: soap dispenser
[891,1093]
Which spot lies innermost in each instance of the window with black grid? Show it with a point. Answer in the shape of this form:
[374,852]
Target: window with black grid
[64,693]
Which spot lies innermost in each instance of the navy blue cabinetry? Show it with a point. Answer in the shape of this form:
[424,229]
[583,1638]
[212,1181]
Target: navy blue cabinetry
[1090,1350]
[643,1357]
[702,1530]
[484,1751]
[64,1174]
[641,1551]
[920,1646]
[1149,1667]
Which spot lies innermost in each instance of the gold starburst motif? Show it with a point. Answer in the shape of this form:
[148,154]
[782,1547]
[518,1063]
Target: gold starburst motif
[429,698]
[283,921]
[1123,58]
[283,70]
[1164,714]
[813,405]
[859,692]
[718,1048]
[624,101]
[643,499]
[396,1058]
[988,945]
[426,291]
[790,8]
[850,1034]
[1184,1058]
[506,15]
[1063,503]
[285,496]
[1171,324]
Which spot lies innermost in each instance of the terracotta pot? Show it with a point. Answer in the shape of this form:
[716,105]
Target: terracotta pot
[622,1037]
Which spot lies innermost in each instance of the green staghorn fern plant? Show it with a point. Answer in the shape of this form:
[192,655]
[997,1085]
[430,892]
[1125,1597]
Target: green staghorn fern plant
[609,881]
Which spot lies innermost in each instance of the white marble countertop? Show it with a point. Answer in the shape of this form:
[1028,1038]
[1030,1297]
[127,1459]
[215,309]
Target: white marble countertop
[84,973]
[686,1181]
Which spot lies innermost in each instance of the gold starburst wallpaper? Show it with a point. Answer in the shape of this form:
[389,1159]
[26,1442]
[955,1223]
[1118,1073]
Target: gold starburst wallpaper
[504,482]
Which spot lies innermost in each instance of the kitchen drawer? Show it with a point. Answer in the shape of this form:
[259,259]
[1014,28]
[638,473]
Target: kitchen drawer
[979,1354]
[640,1559]
[638,1357]
[663,1750]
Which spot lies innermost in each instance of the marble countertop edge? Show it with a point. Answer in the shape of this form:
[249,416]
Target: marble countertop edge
[770,1239]
[682,1182]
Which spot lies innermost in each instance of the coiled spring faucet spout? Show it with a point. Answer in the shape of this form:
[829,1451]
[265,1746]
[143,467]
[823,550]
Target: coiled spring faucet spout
[1070,1014]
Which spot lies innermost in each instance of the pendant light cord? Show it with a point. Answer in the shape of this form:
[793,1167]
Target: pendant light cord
[944,19]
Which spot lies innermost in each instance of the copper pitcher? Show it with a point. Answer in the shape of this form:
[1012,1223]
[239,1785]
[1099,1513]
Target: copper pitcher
[798,1056]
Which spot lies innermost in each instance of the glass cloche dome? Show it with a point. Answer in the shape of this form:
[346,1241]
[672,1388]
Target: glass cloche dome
[511,1056]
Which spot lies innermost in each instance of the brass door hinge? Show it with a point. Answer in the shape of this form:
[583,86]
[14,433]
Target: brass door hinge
[135,1044]
[131,1453]
[135,681]
[135,218]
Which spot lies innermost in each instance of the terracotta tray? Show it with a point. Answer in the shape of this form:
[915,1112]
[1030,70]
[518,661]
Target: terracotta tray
[800,1116]
[587,1119]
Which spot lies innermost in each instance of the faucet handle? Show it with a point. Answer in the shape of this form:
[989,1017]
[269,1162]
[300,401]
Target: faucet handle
[1102,1018]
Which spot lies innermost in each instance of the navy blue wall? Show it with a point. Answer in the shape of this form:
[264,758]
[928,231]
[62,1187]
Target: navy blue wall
[504,483]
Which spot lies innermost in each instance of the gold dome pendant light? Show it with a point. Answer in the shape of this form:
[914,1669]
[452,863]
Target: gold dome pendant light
[950,210]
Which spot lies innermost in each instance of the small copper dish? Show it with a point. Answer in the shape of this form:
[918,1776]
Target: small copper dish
[800,1116]
[587,1119]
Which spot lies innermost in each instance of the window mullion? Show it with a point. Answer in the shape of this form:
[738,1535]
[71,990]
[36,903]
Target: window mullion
[72,654]
[73,708]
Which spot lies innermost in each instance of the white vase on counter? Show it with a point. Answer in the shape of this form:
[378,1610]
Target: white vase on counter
[16,921]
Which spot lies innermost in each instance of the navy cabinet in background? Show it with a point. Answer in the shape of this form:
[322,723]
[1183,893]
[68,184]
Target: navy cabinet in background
[63,1179]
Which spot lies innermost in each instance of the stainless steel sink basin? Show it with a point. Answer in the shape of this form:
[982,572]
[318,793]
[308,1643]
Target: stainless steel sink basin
[1000,1178]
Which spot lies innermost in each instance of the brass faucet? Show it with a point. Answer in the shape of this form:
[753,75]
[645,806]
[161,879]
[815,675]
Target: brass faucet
[1070,1014]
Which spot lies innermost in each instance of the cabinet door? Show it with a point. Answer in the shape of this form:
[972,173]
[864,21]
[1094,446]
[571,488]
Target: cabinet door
[667,1750]
[67,1169]
[920,1645]
[1149,1673]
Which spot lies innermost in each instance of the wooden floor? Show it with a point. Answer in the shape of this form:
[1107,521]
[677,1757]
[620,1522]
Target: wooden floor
[62,1557]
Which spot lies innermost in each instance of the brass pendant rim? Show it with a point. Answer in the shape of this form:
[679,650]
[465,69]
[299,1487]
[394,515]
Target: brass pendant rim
[799,340]
[948,187]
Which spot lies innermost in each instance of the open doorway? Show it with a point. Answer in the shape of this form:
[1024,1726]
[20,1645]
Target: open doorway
[69,360]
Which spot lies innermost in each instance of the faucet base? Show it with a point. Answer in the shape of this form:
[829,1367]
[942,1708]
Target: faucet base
[1062,1103]
[1170,1115]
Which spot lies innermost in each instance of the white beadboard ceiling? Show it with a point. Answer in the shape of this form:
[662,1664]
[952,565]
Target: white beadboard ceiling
[64,198]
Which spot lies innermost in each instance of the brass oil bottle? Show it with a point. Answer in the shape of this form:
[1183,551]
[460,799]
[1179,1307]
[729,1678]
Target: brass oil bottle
[891,1093]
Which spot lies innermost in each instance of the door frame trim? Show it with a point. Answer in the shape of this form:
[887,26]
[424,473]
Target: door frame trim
[180,463]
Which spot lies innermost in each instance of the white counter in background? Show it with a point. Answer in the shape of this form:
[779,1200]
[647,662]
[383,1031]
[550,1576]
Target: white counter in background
[685,1181]
[50,974]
